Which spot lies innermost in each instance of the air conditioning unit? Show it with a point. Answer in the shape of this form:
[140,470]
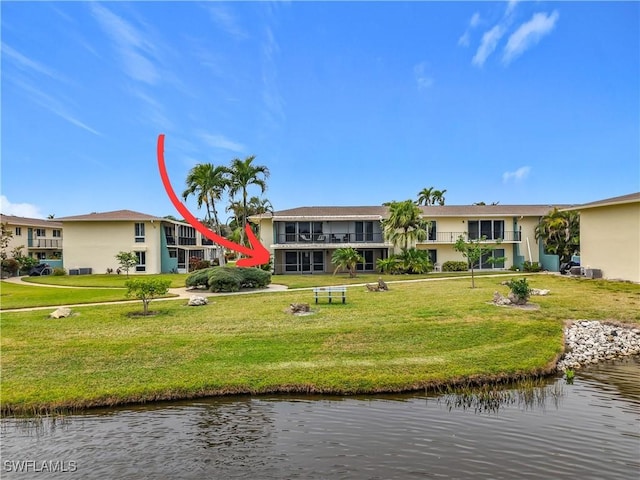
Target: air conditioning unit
[593,273]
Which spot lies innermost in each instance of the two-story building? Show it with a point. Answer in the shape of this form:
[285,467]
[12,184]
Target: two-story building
[41,239]
[303,240]
[161,245]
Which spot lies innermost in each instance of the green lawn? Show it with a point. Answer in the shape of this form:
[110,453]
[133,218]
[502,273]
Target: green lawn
[411,337]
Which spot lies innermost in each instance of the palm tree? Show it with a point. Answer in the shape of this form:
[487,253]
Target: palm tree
[431,196]
[424,196]
[243,173]
[405,224]
[346,258]
[208,184]
[560,232]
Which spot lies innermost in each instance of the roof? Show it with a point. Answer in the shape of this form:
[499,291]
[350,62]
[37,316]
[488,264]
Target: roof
[622,199]
[379,212]
[30,222]
[117,215]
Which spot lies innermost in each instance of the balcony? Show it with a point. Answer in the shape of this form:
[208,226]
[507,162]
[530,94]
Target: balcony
[452,237]
[53,243]
[327,239]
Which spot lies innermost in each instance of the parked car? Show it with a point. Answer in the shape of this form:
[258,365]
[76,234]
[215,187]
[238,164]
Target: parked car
[41,269]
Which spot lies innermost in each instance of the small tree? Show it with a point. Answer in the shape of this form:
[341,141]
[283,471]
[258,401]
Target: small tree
[474,250]
[346,258]
[5,237]
[127,260]
[146,289]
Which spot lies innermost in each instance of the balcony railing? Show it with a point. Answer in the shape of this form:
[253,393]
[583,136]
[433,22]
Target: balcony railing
[186,241]
[329,238]
[45,243]
[452,237]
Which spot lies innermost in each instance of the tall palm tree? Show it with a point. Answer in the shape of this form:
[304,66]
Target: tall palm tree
[405,224]
[424,196]
[208,183]
[431,196]
[560,232]
[242,174]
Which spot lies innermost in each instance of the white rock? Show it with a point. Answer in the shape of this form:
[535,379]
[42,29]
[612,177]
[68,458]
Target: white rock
[197,300]
[61,312]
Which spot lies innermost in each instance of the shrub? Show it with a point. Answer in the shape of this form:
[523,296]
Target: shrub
[455,266]
[254,278]
[196,263]
[199,278]
[59,272]
[531,267]
[224,279]
[10,266]
[520,290]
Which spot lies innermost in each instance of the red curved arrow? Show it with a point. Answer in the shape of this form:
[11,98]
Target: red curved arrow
[256,255]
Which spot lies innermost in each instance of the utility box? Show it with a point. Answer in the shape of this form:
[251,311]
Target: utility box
[593,273]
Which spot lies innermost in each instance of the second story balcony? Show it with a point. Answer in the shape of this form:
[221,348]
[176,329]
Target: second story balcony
[53,243]
[332,238]
[452,237]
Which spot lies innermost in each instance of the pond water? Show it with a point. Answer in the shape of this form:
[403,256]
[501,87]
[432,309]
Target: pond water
[588,430]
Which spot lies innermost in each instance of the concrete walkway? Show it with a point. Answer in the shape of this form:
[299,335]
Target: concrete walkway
[177,293]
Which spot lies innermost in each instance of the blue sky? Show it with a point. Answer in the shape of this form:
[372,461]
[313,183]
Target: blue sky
[347,103]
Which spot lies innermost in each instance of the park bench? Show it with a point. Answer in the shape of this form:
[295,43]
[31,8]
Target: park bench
[330,293]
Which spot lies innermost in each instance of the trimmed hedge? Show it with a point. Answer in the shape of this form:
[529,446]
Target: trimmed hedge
[228,279]
[452,266]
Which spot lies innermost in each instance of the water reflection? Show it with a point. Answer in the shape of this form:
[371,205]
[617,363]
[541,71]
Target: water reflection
[587,430]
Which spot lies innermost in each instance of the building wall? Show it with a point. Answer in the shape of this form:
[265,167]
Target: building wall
[610,240]
[27,236]
[95,244]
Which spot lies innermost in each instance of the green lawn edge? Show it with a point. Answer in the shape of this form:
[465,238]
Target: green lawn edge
[418,335]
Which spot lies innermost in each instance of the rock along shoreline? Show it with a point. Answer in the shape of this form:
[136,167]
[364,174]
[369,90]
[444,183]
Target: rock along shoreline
[590,341]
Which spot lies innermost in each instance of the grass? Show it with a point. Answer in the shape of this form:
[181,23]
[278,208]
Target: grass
[102,280]
[415,336]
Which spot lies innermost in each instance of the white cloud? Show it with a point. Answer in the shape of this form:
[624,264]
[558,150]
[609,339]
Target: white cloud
[517,176]
[219,141]
[19,209]
[464,40]
[528,34]
[423,80]
[489,43]
[26,63]
[223,18]
[132,45]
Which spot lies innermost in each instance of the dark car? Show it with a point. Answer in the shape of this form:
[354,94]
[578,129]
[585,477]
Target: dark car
[41,269]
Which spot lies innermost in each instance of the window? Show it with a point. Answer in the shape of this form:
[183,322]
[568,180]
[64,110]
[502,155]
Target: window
[432,231]
[18,231]
[491,229]
[491,260]
[142,262]
[302,231]
[368,261]
[41,255]
[364,231]
[57,233]
[41,232]
[169,235]
[433,256]
[305,261]
[139,228]
[186,235]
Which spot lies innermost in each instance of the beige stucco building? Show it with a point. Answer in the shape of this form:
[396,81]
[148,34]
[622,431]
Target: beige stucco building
[41,239]
[161,245]
[610,237]
[303,240]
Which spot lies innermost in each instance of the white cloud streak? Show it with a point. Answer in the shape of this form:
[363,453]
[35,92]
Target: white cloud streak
[19,209]
[529,34]
[517,176]
[132,45]
[224,19]
[465,38]
[488,44]
[29,64]
[220,141]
